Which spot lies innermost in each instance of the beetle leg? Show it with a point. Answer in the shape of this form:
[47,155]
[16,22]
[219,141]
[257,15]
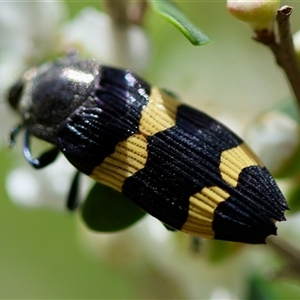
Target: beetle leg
[72,200]
[169,227]
[196,243]
[171,94]
[44,160]
[12,135]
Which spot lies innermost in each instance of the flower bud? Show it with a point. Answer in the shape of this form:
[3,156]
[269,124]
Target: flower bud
[259,14]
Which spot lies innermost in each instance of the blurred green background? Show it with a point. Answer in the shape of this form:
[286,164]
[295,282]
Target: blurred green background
[41,255]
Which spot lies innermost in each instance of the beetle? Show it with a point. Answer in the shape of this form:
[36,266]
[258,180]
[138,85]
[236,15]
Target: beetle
[175,162]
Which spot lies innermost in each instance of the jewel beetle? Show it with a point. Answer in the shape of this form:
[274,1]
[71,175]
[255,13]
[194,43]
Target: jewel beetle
[175,162]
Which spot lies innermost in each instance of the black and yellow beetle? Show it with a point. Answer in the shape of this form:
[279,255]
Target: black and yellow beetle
[175,162]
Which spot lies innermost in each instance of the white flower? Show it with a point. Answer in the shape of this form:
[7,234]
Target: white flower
[29,33]
[24,42]
[96,34]
[274,136]
[48,187]
[148,246]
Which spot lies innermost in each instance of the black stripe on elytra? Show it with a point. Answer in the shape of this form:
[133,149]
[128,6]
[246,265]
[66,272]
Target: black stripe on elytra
[110,115]
[181,161]
[195,121]
[246,215]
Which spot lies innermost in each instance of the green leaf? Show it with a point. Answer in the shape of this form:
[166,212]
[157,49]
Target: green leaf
[259,289]
[174,15]
[107,210]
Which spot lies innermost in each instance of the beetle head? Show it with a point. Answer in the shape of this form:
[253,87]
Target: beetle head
[46,96]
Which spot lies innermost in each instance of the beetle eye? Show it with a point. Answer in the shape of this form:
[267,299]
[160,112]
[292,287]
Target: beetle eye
[15,93]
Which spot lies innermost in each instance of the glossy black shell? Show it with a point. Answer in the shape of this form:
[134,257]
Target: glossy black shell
[175,162]
[52,92]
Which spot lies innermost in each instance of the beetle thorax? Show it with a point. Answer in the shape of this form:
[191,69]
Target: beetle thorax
[53,93]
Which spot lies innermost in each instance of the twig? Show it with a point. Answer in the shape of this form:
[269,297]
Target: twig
[283,48]
[124,12]
[118,11]
[289,60]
